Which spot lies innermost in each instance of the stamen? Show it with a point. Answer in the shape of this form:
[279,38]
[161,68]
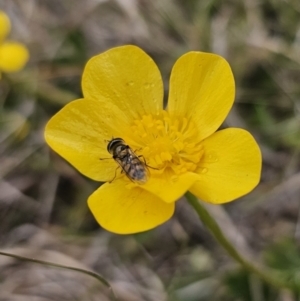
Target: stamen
[168,142]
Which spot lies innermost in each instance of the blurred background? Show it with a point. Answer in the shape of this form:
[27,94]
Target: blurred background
[43,209]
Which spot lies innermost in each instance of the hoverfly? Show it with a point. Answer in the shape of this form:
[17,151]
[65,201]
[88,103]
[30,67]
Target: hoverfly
[134,168]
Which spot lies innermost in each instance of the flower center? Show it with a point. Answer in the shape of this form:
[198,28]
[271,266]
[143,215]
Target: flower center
[168,142]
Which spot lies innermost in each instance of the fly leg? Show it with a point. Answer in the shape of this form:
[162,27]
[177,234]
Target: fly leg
[114,175]
[141,156]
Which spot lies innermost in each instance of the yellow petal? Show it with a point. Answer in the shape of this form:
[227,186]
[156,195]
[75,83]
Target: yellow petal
[170,187]
[122,210]
[201,87]
[127,78]
[4,25]
[230,167]
[80,131]
[13,56]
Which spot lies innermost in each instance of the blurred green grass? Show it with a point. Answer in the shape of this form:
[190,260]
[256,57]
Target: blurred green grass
[43,199]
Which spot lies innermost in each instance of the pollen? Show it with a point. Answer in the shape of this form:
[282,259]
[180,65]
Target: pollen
[167,142]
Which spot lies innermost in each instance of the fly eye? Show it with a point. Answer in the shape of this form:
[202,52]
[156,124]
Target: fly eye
[123,147]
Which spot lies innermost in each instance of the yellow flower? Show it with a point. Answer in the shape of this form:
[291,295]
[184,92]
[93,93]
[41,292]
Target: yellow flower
[13,55]
[123,97]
